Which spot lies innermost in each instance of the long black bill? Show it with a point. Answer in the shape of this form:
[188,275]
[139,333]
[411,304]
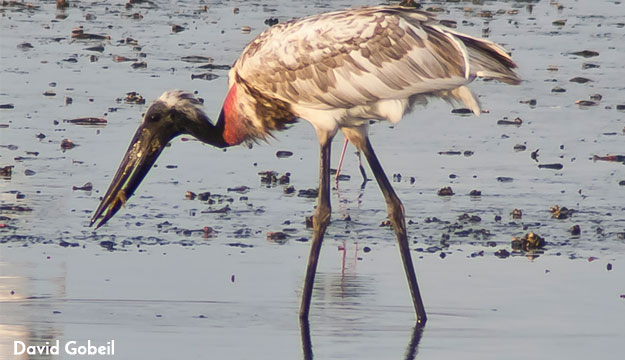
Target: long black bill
[146,146]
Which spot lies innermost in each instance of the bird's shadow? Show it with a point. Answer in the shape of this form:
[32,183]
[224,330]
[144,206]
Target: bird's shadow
[307,349]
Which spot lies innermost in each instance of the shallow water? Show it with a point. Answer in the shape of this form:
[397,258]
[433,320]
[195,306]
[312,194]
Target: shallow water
[164,289]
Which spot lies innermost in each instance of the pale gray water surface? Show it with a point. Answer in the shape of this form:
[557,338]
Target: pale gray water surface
[164,291]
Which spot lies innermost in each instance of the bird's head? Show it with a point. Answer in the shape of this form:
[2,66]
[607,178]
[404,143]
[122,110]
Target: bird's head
[174,113]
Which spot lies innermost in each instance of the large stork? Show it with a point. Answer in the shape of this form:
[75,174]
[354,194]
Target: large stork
[338,71]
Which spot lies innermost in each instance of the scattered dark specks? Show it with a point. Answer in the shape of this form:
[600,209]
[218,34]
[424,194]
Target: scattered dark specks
[15,208]
[289,189]
[475,193]
[462,111]
[528,242]
[203,196]
[108,245]
[366,249]
[555,166]
[505,179]
[559,22]
[530,102]
[558,89]
[204,76]
[56,312]
[7,106]
[87,121]
[575,230]
[240,245]
[517,121]
[585,53]
[561,213]
[97,48]
[239,189]
[282,154]
[232,278]
[65,244]
[596,97]
[29,172]
[502,253]
[171,166]
[67,144]
[271,21]
[446,191]
[215,67]
[589,66]
[139,65]
[586,103]
[580,80]
[609,267]
[197,59]
[6,171]
[10,147]
[25,46]
[519,147]
[119,58]
[469,218]
[277,237]
[534,155]
[451,152]
[49,93]
[222,210]
[308,193]
[177,28]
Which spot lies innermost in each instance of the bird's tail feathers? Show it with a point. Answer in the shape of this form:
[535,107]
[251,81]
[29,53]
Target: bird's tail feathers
[488,60]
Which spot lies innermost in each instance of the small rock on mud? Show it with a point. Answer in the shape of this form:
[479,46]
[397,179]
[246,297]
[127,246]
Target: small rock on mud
[528,242]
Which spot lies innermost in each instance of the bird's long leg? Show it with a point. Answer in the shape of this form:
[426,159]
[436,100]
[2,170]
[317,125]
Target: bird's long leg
[338,167]
[362,171]
[321,219]
[396,216]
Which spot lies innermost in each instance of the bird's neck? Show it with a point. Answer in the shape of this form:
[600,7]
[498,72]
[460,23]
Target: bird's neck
[231,121]
[212,134]
[230,128]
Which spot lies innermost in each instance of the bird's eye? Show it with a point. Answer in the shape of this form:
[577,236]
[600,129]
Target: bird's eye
[154,117]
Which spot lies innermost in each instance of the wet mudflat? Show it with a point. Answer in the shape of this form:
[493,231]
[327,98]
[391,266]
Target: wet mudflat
[218,275]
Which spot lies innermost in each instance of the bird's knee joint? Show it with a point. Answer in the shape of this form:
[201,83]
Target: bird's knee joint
[321,216]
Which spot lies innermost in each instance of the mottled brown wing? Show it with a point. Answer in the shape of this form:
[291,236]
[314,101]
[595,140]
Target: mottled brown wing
[355,57]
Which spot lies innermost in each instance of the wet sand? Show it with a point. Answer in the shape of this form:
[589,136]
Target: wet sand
[159,286]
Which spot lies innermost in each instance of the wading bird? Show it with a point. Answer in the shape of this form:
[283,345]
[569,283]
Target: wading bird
[338,71]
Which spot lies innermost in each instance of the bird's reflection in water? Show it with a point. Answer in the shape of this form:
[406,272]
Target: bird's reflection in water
[335,291]
[343,297]
[307,349]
